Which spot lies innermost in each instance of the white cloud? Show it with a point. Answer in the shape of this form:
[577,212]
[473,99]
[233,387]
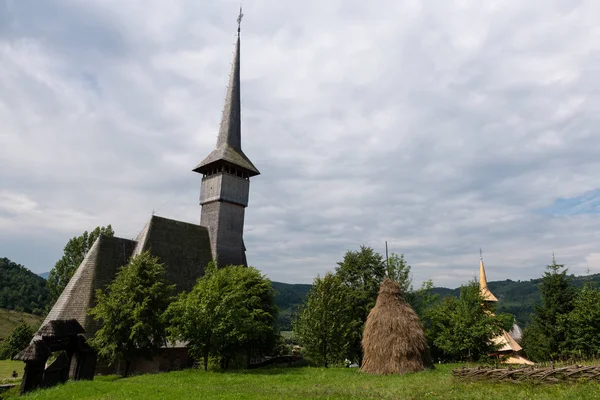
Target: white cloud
[440,127]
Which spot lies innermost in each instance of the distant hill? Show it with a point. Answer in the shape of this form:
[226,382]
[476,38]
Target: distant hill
[21,289]
[9,319]
[288,297]
[514,297]
[44,275]
[518,297]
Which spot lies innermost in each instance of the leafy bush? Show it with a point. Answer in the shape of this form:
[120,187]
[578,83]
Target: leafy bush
[229,313]
[16,341]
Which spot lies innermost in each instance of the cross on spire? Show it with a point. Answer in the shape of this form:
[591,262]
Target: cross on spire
[239,19]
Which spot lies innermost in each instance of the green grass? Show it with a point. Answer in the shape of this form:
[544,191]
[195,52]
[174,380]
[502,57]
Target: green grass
[8,366]
[302,383]
[9,319]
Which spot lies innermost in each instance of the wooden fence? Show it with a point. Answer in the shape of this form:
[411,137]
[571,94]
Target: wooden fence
[530,374]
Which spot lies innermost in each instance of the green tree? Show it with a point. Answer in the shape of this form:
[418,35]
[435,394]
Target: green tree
[132,312]
[325,324]
[230,312]
[583,324]
[398,270]
[535,343]
[362,272]
[462,328]
[544,338]
[422,299]
[16,341]
[74,253]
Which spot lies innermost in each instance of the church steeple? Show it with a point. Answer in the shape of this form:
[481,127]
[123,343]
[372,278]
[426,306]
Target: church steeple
[226,176]
[229,141]
[483,286]
[231,124]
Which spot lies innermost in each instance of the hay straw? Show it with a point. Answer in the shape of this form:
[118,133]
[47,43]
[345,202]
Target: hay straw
[393,340]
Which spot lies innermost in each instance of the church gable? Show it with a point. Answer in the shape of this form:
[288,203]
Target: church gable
[183,248]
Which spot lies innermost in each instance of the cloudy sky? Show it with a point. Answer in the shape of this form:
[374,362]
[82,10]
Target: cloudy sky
[439,126]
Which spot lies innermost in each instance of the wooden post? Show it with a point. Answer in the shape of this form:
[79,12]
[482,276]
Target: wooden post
[387,260]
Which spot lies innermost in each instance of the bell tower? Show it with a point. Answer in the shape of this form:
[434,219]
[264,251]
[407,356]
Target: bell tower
[226,173]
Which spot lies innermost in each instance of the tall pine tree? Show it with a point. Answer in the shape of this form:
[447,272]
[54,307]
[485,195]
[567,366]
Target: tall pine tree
[544,339]
[583,324]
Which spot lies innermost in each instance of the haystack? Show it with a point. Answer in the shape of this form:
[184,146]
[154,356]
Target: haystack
[394,341]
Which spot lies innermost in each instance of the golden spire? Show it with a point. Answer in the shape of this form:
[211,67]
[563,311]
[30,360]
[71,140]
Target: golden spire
[483,286]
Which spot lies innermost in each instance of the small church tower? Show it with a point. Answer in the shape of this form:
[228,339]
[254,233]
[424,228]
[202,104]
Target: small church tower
[226,173]
[508,348]
[483,285]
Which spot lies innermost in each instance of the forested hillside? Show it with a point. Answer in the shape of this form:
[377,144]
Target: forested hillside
[21,289]
[288,297]
[518,297]
[514,297]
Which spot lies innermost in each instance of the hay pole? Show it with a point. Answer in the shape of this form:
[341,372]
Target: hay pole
[387,260]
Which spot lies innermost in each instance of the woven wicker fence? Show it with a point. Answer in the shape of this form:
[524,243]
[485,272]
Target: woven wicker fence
[568,374]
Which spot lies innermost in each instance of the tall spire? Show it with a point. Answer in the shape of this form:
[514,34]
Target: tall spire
[231,123]
[483,286]
[229,141]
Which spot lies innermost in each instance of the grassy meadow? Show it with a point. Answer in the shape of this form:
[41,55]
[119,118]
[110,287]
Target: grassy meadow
[8,366]
[9,319]
[306,382]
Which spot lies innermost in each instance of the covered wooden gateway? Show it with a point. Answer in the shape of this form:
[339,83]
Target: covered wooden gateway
[75,359]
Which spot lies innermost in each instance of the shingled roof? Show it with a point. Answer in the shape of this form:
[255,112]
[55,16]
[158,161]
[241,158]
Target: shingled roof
[37,350]
[61,328]
[183,249]
[230,155]
[97,270]
[506,343]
